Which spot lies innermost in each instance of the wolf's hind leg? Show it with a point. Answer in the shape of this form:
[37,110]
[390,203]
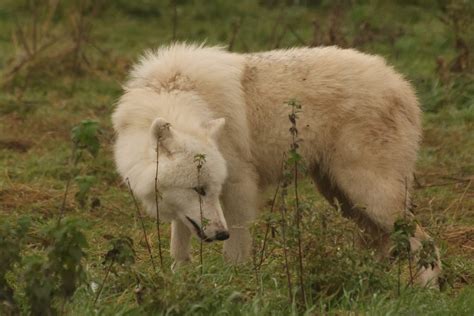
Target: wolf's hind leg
[383,198]
[375,203]
[180,244]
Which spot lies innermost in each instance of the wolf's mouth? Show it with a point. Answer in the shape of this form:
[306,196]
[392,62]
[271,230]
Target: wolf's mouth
[199,230]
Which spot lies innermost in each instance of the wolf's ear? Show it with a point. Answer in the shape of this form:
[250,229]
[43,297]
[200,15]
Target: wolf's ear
[160,129]
[214,127]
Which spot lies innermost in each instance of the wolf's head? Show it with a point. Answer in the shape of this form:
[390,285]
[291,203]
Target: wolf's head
[191,173]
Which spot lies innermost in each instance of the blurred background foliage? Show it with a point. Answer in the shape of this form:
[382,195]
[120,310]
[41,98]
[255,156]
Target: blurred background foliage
[430,41]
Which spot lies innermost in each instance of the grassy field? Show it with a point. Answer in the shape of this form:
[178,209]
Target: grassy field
[61,65]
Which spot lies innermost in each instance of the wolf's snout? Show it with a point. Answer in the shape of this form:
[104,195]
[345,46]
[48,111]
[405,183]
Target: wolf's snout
[222,235]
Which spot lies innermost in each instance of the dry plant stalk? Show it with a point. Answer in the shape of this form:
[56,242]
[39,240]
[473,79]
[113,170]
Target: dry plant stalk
[175,18]
[235,31]
[109,268]
[297,36]
[274,41]
[283,212]
[137,208]
[268,225]
[75,159]
[409,255]
[157,197]
[255,265]
[200,159]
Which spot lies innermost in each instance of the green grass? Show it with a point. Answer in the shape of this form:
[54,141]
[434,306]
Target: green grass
[37,115]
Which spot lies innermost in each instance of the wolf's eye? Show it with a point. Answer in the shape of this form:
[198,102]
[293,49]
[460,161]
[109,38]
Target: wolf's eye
[200,190]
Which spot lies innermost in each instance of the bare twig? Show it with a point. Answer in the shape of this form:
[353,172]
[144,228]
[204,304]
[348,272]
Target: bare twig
[399,275]
[80,34]
[142,223]
[53,5]
[22,39]
[25,60]
[34,31]
[280,38]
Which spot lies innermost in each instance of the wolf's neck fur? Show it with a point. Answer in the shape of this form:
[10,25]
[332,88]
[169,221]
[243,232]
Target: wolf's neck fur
[189,85]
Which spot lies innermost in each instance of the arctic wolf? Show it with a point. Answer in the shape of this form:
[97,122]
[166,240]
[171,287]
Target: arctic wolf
[360,129]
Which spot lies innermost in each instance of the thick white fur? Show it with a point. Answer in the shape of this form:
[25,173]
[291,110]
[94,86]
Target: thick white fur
[360,129]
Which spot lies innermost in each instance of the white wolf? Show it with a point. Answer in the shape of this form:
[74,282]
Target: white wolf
[360,128]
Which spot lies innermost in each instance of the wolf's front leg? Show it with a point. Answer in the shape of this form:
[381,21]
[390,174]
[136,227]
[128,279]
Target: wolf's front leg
[240,200]
[180,244]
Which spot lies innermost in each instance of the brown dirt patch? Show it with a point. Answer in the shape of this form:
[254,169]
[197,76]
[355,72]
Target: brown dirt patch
[20,195]
[15,145]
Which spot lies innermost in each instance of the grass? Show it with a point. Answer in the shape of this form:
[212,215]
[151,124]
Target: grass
[46,99]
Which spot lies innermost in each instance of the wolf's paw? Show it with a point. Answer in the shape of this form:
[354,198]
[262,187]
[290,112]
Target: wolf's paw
[234,257]
[428,277]
[178,264]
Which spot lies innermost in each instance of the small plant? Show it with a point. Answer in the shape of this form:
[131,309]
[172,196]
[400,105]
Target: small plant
[403,230]
[85,137]
[294,159]
[11,239]
[290,234]
[39,286]
[57,275]
[66,253]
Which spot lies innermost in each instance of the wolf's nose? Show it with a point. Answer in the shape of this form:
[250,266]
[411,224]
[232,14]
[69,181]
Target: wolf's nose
[222,235]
